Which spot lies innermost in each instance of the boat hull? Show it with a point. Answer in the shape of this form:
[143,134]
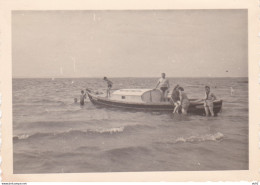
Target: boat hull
[194,108]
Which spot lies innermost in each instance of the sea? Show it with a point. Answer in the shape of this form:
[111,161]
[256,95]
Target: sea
[52,134]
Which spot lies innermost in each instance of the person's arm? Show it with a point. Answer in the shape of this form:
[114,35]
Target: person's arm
[213,97]
[168,84]
[180,96]
[157,84]
[205,97]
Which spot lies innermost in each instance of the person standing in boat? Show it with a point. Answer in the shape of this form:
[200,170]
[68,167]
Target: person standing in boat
[184,101]
[164,85]
[208,101]
[109,86]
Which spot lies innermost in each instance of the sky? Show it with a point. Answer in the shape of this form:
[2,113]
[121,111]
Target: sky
[141,43]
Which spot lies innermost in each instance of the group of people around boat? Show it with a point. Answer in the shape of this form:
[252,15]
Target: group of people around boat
[178,97]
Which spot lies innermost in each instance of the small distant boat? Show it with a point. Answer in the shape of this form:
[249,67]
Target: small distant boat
[145,100]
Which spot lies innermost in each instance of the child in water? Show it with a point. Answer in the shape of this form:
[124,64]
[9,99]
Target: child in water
[82,97]
[109,86]
[208,101]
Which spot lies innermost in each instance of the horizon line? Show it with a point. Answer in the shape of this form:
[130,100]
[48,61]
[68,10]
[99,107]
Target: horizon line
[135,77]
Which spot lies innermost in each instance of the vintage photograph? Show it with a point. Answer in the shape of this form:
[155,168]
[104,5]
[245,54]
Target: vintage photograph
[129,90]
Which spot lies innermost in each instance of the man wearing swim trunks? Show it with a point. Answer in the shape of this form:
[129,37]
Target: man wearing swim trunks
[109,86]
[208,101]
[163,85]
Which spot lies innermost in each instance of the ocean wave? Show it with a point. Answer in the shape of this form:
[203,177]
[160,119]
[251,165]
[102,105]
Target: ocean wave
[130,151]
[70,132]
[94,131]
[48,101]
[109,130]
[208,137]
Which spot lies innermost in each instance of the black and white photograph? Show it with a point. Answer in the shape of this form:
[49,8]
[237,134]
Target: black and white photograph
[129,90]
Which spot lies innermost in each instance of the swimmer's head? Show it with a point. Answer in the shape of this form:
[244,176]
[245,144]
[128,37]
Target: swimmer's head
[105,78]
[75,100]
[82,92]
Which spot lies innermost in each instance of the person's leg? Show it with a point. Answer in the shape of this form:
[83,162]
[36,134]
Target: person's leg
[165,94]
[184,111]
[211,111]
[206,110]
[185,106]
[176,107]
[162,89]
[162,97]
[109,91]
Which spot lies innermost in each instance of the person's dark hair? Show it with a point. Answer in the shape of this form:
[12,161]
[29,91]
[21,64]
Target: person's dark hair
[176,87]
[181,88]
[105,78]
[82,91]
[207,87]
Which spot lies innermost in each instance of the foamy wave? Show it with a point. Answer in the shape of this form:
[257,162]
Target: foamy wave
[110,130]
[24,136]
[71,132]
[209,137]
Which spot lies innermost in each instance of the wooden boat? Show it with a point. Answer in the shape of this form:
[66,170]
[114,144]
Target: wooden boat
[145,100]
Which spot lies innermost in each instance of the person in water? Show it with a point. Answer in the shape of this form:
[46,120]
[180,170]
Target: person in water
[82,97]
[175,98]
[184,101]
[164,85]
[208,101]
[109,86]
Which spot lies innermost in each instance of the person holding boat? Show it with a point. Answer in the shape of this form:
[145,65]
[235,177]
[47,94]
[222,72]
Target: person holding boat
[175,98]
[208,101]
[163,85]
[184,101]
[109,86]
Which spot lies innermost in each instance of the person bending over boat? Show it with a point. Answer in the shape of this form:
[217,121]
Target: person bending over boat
[184,101]
[82,97]
[208,101]
[109,86]
[164,85]
[175,98]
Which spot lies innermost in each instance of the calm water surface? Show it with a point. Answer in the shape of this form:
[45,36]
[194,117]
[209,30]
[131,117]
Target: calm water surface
[51,134]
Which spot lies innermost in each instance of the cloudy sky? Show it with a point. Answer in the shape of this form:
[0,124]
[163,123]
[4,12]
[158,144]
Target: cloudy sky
[182,43]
